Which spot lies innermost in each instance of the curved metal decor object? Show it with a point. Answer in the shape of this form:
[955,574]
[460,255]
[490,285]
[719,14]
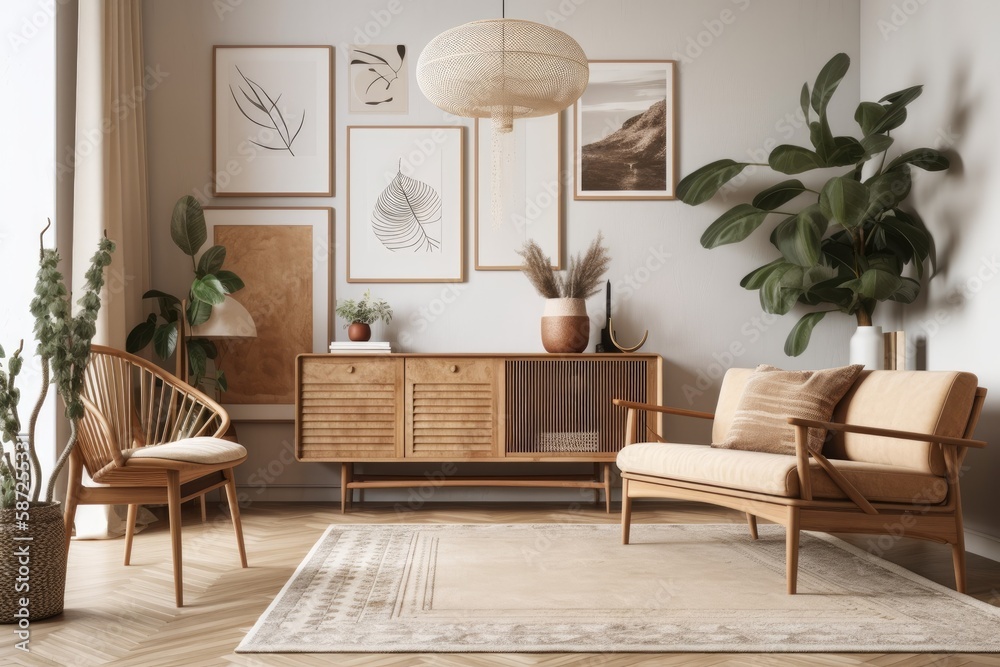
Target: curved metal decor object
[623,348]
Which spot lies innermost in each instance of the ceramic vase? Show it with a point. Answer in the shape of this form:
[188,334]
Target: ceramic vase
[565,325]
[359,332]
[867,347]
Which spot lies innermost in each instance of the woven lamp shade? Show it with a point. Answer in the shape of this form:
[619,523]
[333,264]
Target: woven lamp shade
[502,69]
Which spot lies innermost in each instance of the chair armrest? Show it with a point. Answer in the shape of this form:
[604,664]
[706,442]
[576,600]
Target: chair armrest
[650,407]
[887,433]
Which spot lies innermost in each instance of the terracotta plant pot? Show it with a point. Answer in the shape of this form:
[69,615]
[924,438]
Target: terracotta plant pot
[359,332]
[565,326]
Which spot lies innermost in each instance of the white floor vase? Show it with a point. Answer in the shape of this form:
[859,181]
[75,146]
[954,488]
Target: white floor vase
[867,347]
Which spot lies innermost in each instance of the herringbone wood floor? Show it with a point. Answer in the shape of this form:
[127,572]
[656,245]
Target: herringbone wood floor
[118,615]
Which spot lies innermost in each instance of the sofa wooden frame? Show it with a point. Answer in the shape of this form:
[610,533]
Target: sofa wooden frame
[940,523]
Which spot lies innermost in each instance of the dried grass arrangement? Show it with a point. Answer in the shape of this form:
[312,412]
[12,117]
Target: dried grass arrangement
[581,280]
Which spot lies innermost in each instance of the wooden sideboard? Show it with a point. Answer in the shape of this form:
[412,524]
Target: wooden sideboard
[497,408]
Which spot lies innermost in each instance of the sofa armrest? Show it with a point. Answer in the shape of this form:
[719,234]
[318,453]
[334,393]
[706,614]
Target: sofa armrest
[631,421]
[887,433]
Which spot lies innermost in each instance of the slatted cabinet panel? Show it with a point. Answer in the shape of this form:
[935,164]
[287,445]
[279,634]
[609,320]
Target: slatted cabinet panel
[451,408]
[349,409]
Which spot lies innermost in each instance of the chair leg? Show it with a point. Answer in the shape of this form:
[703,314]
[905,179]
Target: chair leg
[792,550]
[204,508]
[752,522]
[75,477]
[958,552]
[626,512]
[174,509]
[234,511]
[133,511]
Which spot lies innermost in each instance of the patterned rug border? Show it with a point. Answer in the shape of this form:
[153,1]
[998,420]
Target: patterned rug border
[503,648]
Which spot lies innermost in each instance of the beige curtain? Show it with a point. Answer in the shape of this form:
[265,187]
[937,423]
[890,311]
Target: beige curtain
[110,188]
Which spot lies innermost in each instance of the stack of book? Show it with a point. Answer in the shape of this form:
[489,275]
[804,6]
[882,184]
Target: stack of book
[364,347]
[895,350]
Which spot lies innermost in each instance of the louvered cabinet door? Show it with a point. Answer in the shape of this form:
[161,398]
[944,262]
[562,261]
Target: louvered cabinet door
[451,408]
[349,409]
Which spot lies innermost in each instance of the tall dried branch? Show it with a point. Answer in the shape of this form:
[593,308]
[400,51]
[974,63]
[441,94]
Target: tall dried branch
[584,278]
[538,268]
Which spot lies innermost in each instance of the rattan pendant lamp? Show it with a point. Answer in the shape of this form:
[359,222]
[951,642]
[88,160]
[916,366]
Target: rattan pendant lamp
[502,69]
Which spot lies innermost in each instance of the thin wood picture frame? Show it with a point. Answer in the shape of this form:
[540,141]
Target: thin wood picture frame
[617,151]
[285,257]
[405,203]
[532,179]
[272,121]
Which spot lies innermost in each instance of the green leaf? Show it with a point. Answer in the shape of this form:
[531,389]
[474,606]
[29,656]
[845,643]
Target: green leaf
[798,237]
[844,200]
[157,294]
[198,313]
[904,96]
[804,101]
[789,159]
[868,115]
[220,378]
[701,185]
[886,191]
[914,236]
[778,195]
[187,225]
[798,337]
[828,80]
[733,226]
[846,151]
[895,113]
[756,278]
[165,340]
[781,289]
[230,281]
[923,158]
[914,220]
[141,335]
[197,361]
[211,261]
[878,284]
[908,291]
[875,144]
[208,289]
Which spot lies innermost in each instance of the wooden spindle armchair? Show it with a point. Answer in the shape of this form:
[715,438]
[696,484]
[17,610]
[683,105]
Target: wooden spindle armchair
[148,438]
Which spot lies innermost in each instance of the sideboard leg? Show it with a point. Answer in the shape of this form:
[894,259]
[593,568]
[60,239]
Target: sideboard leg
[597,478]
[350,492]
[343,488]
[607,487]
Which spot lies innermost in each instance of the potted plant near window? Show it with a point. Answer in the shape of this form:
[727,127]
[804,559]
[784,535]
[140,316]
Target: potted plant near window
[846,245]
[32,534]
[359,315]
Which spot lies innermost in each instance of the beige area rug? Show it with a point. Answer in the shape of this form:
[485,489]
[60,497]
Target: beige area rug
[574,588]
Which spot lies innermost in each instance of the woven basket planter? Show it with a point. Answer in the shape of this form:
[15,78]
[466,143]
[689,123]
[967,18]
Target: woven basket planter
[44,571]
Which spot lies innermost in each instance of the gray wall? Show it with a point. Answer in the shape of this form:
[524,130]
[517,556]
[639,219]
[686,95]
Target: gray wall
[950,48]
[742,64]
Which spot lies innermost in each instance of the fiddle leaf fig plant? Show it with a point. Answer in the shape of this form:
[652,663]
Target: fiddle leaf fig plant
[847,245]
[209,288]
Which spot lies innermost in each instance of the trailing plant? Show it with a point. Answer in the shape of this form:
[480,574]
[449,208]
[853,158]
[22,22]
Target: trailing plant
[209,288]
[850,246]
[366,311]
[63,350]
[581,280]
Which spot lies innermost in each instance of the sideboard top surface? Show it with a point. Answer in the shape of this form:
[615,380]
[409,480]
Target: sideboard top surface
[482,355]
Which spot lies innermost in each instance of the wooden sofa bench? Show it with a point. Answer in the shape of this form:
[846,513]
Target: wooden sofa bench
[890,463]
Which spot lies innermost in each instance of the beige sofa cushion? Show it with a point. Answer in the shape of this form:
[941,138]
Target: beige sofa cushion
[937,402]
[771,395]
[775,474]
[204,450]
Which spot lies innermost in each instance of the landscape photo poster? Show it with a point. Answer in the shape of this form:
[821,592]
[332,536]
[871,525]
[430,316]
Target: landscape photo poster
[284,257]
[272,121]
[405,204]
[625,134]
[379,79]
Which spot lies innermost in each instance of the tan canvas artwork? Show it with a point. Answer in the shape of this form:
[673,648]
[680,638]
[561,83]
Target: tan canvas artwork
[275,262]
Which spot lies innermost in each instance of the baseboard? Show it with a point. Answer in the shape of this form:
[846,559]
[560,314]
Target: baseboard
[982,544]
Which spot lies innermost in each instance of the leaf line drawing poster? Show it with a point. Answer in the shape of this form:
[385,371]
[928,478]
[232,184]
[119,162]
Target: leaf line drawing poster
[273,115]
[405,208]
[379,79]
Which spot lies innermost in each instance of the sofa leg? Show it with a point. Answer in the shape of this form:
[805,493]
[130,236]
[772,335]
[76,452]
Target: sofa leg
[626,511]
[792,549]
[752,522]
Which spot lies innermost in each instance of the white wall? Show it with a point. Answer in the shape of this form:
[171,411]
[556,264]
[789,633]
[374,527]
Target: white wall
[742,65]
[952,49]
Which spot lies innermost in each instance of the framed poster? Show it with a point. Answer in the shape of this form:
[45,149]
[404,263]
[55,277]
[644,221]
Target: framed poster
[625,132]
[528,204]
[272,110]
[380,79]
[284,256]
[405,204]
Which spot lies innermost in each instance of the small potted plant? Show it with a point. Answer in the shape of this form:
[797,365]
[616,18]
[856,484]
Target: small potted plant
[565,325]
[359,315]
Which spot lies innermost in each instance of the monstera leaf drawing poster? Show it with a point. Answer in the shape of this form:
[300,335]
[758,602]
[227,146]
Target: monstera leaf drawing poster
[405,210]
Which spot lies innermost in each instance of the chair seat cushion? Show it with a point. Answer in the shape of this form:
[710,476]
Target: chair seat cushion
[204,450]
[776,474]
